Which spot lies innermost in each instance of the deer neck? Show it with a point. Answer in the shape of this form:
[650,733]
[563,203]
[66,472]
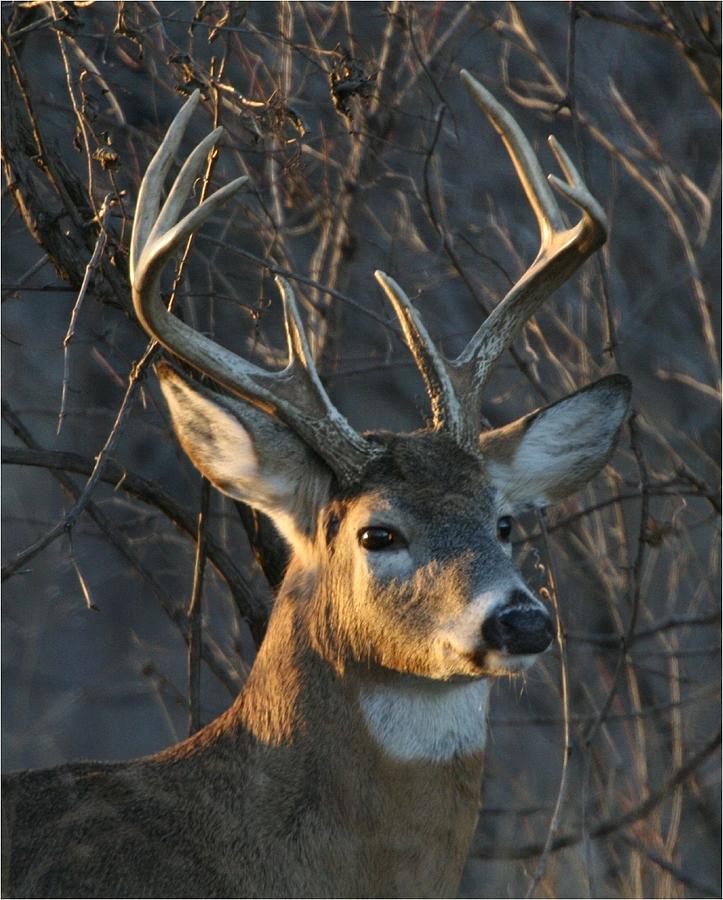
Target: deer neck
[386,766]
[293,690]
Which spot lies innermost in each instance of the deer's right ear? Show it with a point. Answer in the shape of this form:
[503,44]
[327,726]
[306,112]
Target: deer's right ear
[248,455]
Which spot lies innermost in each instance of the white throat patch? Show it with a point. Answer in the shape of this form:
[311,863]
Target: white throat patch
[416,721]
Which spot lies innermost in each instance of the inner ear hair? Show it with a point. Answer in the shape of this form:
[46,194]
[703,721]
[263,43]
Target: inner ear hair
[248,454]
[552,452]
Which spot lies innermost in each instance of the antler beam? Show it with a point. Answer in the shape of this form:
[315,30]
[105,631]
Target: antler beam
[295,394]
[455,386]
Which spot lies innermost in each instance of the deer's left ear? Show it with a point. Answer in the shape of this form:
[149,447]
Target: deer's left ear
[550,453]
[248,455]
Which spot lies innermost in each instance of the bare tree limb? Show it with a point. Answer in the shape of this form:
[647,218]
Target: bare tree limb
[616,823]
[118,477]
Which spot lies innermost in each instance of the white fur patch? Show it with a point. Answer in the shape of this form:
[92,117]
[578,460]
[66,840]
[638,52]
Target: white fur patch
[574,427]
[427,722]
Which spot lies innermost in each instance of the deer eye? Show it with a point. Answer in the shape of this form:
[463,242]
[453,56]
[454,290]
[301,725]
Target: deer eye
[376,537]
[504,528]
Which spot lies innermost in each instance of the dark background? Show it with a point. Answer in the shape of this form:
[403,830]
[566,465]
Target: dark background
[365,152]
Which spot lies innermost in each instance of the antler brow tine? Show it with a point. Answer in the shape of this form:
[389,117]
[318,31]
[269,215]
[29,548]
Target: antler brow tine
[430,361]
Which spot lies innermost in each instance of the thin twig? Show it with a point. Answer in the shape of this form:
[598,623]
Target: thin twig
[93,263]
[83,127]
[613,640]
[86,61]
[638,23]
[655,709]
[81,581]
[274,269]
[117,540]
[194,615]
[420,59]
[68,520]
[248,605]
[552,594]
[616,823]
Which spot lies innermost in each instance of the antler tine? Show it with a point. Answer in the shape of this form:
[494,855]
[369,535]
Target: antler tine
[296,340]
[183,185]
[295,394]
[149,195]
[523,157]
[446,413]
[576,192]
[309,409]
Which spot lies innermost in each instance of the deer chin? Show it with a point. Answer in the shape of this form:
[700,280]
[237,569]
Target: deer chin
[482,662]
[494,663]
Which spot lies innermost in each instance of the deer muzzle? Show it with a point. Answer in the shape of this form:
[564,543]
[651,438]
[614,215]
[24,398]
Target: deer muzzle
[519,627]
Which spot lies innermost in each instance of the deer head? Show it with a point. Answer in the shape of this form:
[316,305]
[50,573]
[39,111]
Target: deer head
[400,542]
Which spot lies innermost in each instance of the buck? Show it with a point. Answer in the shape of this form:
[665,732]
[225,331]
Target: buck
[350,764]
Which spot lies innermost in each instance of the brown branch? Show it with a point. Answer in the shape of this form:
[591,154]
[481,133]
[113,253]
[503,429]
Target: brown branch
[652,710]
[701,888]
[140,488]
[647,26]
[47,193]
[117,540]
[634,582]
[92,265]
[554,824]
[613,640]
[696,34]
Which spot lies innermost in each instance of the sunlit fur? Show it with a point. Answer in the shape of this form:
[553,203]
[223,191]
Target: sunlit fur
[414,609]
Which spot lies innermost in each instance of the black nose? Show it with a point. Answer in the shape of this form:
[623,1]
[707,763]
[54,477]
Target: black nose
[518,628]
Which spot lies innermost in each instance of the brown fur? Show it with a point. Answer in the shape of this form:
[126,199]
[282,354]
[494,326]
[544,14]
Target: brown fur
[288,794]
[283,796]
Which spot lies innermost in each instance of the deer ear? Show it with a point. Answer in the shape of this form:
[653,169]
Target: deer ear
[248,455]
[550,453]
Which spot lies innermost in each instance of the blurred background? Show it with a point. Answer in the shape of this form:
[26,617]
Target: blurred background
[365,152]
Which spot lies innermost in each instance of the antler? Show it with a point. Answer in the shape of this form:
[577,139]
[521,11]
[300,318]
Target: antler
[295,394]
[455,386]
